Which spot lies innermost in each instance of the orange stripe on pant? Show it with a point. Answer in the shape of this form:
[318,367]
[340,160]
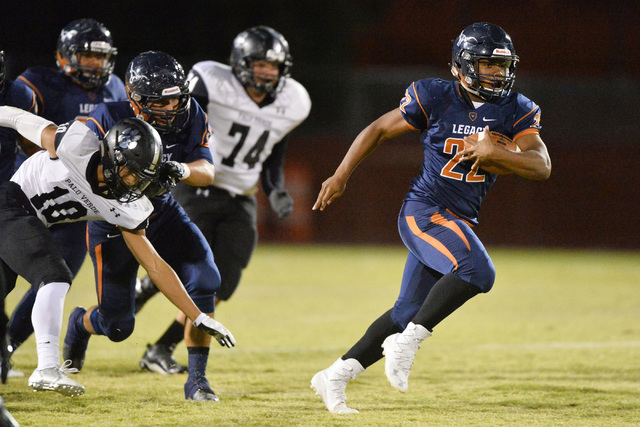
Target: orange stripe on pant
[98,252]
[436,218]
[413,226]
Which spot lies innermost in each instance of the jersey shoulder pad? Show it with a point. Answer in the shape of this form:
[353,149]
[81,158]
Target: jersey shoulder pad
[296,98]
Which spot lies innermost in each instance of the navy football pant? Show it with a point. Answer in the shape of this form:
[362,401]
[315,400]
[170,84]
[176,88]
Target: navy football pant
[177,240]
[439,243]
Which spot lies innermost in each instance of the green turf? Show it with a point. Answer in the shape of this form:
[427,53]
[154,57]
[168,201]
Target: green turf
[556,342]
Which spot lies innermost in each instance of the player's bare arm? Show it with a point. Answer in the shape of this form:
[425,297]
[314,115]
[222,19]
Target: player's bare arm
[160,272]
[170,285]
[387,126]
[201,173]
[531,162]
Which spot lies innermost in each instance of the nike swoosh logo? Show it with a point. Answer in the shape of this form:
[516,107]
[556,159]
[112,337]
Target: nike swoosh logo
[488,120]
[113,236]
[172,145]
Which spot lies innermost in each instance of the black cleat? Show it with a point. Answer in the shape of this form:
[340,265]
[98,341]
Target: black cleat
[159,358]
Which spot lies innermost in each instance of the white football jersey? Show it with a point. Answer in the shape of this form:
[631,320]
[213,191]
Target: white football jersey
[58,188]
[243,133]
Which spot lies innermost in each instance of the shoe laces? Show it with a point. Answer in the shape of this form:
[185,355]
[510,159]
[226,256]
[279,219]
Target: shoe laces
[405,351]
[65,369]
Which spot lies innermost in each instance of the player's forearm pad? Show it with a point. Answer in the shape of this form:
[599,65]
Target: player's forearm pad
[28,125]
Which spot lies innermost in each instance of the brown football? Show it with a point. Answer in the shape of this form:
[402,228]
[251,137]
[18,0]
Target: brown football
[501,141]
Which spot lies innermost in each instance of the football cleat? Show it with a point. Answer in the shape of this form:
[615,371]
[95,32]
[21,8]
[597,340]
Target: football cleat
[145,289]
[76,341]
[56,379]
[399,351]
[159,358]
[199,390]
[330,384]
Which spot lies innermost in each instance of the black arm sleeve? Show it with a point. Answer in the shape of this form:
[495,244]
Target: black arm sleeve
[199,90]
[273,168]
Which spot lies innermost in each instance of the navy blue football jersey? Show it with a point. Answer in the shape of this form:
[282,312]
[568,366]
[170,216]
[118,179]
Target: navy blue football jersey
[437,109]
[186,146]
[16,96]
[61,100]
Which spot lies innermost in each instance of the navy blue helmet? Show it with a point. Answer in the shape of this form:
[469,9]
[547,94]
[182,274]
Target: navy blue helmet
[484,41]
[156,77]
[260,44]
[135,145]
[86,37]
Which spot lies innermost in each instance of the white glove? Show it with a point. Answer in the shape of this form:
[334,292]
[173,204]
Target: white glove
[214,328]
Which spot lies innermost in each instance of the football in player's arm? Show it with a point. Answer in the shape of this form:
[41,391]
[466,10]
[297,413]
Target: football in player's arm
[447,264]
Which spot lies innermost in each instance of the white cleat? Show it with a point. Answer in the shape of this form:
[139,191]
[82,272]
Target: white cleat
[330,384]
[56,379]
[399,351]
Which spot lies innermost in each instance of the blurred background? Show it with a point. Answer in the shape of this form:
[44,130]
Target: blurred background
[357,57]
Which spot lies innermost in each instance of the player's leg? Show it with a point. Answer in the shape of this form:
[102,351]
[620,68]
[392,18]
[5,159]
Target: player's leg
[70,239]
[229,225]
[447,245]
[193,262]
[40,264]
[330,383]
[115,271]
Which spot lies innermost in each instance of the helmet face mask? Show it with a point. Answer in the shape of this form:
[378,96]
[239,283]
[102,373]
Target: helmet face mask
[85,52]
[153,81]
[131,154]
[484,44]
[260,44]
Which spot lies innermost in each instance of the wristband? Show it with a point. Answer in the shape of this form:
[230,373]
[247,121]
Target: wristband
[199,319]
[187,172]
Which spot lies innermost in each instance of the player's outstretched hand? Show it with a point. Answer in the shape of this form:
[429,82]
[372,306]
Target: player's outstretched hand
[331,189]
[214,328]
[281,203]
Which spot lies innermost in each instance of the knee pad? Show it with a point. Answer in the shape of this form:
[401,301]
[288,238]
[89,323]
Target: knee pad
[116,330]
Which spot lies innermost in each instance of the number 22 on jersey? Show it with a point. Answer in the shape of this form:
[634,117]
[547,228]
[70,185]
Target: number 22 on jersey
[454,146]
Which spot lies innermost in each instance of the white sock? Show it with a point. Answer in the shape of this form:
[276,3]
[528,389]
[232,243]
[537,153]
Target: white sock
[47,322]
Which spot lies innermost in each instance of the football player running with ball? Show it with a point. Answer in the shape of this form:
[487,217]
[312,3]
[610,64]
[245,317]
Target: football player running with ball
[447,264]
[79,177]
[253,105]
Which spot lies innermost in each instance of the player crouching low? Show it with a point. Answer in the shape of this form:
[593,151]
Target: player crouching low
[79,177]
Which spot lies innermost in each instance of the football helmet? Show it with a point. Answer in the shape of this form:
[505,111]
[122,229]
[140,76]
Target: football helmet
[484,41]
[86,36]
[260,44]
[135,145]
[154,77]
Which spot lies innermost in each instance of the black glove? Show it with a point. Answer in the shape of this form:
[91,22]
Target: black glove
[170,173]
[281,203]
[214,328]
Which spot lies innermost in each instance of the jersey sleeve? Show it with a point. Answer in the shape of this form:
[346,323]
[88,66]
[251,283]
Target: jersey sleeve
[415,107]
[527,119]
[23,97]
[197,88]
[199,135]
[100,120]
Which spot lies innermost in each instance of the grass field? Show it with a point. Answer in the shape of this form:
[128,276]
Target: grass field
[556,342]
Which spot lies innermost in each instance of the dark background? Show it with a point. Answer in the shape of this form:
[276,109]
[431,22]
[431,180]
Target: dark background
[580,62]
